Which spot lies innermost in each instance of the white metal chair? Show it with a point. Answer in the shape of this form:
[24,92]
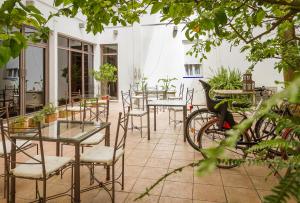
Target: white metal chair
[38,167]
[139,113]
[20,143]
[180,95]
[189,102]
[99,116]
[107,156]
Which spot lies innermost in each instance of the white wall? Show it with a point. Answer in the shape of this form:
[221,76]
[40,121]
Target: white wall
[158,54]
[68,27]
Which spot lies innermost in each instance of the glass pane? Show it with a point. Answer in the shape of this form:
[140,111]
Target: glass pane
[85,47]
[29,30]
[75,44]
[91,49]
[88,76]
[62,42]
[34,79]
[113,86]
[9,86]
[110,49]
[76,72]
[63,75]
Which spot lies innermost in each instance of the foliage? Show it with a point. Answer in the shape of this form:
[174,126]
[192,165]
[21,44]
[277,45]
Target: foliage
[107,73]
[38,117]
[49,109]
[265,29]
[143,83]
[166,83]
[226,79]
[20,119]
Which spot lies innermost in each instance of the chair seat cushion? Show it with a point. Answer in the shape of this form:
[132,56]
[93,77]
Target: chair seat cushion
[101,154]
[176,109]
[52,164]
[137,112]
[19,143]
[94,139]
[75,108]
[174,98]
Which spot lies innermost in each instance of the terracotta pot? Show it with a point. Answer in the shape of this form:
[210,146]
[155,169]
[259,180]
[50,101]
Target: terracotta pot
[50,118]
[105,97]
[32,123]
[14,125]
[64,114]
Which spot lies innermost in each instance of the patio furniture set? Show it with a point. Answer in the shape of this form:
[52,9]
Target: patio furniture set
[82,133]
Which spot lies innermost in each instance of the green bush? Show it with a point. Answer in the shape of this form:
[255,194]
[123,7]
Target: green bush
[226,79]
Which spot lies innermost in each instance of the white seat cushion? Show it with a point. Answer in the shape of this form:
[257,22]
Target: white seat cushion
[52,164]
[137,112]
[172,98]
[75,108]
[19,143]
[94,139]
[176,109]
[101,154]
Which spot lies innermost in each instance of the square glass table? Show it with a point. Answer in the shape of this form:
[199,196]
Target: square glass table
[63,131]
[167,103]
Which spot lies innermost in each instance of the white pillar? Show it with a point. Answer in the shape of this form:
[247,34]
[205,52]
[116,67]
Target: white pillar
[53,83]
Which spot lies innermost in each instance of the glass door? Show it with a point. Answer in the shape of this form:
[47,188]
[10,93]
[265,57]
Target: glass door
[34,78]
[110,55]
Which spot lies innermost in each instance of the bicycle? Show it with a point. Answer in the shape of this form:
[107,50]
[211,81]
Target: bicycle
[210,124]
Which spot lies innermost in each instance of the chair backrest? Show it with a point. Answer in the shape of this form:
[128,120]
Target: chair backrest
[75,97]
[120,140]
[7,141]
[126,101]
[4,113]
[181,90]
[189,96]
[102,111]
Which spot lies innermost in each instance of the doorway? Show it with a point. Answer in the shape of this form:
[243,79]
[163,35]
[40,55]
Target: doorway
[109,54]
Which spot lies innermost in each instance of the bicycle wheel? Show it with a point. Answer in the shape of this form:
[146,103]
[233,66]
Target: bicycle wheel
[195,121]
[265,128]
[210,136]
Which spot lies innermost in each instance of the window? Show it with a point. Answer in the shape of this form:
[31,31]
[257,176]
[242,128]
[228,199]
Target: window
[23,80]
[109,54]
[75,65]
[192,65]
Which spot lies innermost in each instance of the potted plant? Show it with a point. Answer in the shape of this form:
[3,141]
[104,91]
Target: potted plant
[50,113]
[166,84]
[226,79]
[37,118]
[106,74]
[143,83]
[18,123]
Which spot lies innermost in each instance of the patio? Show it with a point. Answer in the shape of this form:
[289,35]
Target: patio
[146,161]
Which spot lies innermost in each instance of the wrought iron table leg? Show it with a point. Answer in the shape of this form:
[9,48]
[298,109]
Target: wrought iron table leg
[107,143]
[148,121]
[77,174]
[184,122]
[154,118]
[12,195]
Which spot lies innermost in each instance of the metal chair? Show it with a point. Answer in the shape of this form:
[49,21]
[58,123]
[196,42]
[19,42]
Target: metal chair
[97,138]
[38,168]
[108,157]
[189,101]
[180,95]
[20,143]
[139,113]
[76,106]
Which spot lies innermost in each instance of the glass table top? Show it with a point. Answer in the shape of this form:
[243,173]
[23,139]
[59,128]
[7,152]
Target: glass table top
[62,131]
[167,103]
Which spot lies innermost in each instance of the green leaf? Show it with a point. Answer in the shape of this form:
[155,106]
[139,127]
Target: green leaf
[4,55]
[156,7]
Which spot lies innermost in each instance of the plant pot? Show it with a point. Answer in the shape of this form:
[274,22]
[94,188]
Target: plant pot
[63,114]
[32,123]
[105,97]
[50,118]
[18,127]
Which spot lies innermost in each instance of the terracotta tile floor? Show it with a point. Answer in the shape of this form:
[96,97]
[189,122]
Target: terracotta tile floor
[146,161]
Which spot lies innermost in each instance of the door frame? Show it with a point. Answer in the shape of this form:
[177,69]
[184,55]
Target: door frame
[117,63]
